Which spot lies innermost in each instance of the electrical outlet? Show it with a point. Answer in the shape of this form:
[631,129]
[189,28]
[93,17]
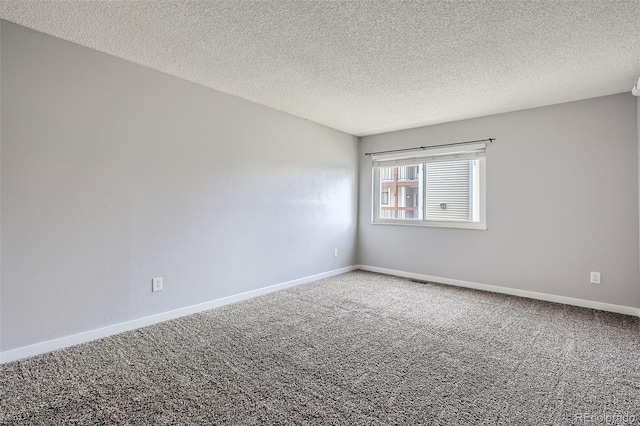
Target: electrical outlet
[335,252]
[156,284]
[595,277]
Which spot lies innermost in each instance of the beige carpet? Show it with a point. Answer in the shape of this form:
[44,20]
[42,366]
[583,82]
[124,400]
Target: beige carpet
[359,348]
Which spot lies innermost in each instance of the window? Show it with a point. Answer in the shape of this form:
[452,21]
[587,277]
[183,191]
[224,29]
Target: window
[384,198]
[435,187]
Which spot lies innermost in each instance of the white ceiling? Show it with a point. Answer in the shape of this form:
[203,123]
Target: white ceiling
[367,67]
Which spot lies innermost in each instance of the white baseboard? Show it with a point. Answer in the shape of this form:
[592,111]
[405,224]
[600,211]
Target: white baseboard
[63,342]
[86,336]
[628,310]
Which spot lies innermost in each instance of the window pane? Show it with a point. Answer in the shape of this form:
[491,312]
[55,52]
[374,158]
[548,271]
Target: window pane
[475,188]
[401,192]
[453,191]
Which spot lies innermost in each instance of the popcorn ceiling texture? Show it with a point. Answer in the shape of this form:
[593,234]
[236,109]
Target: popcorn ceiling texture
[366,67]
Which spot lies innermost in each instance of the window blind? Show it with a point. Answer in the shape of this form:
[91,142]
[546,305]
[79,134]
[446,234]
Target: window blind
[448,190]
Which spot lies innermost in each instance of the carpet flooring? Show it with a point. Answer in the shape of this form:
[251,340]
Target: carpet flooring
[355,349]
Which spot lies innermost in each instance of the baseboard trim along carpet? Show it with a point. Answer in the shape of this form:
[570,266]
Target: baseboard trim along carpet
[357,349]
[99,333]
[628,310]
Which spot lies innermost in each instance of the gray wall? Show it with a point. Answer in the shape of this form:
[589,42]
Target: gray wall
[562,200]
[0,184]
[112,173]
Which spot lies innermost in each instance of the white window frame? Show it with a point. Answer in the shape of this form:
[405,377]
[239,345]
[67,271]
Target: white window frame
[430,155]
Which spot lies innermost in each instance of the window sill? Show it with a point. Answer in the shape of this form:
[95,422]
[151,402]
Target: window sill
[422,223]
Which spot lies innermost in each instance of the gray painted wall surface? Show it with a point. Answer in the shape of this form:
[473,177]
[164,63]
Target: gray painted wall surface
[562,200]
[0,184]
[113,173]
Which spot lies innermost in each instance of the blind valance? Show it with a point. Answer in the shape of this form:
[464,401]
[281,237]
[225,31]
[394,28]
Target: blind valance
[431,155]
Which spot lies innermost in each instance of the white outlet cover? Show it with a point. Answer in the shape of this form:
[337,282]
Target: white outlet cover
[156,284]
[595,277]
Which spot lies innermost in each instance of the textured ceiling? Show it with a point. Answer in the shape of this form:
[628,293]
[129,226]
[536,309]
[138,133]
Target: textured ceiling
[367,67]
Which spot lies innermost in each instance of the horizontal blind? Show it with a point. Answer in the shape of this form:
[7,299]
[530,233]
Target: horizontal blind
[475,188]
[448,190]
